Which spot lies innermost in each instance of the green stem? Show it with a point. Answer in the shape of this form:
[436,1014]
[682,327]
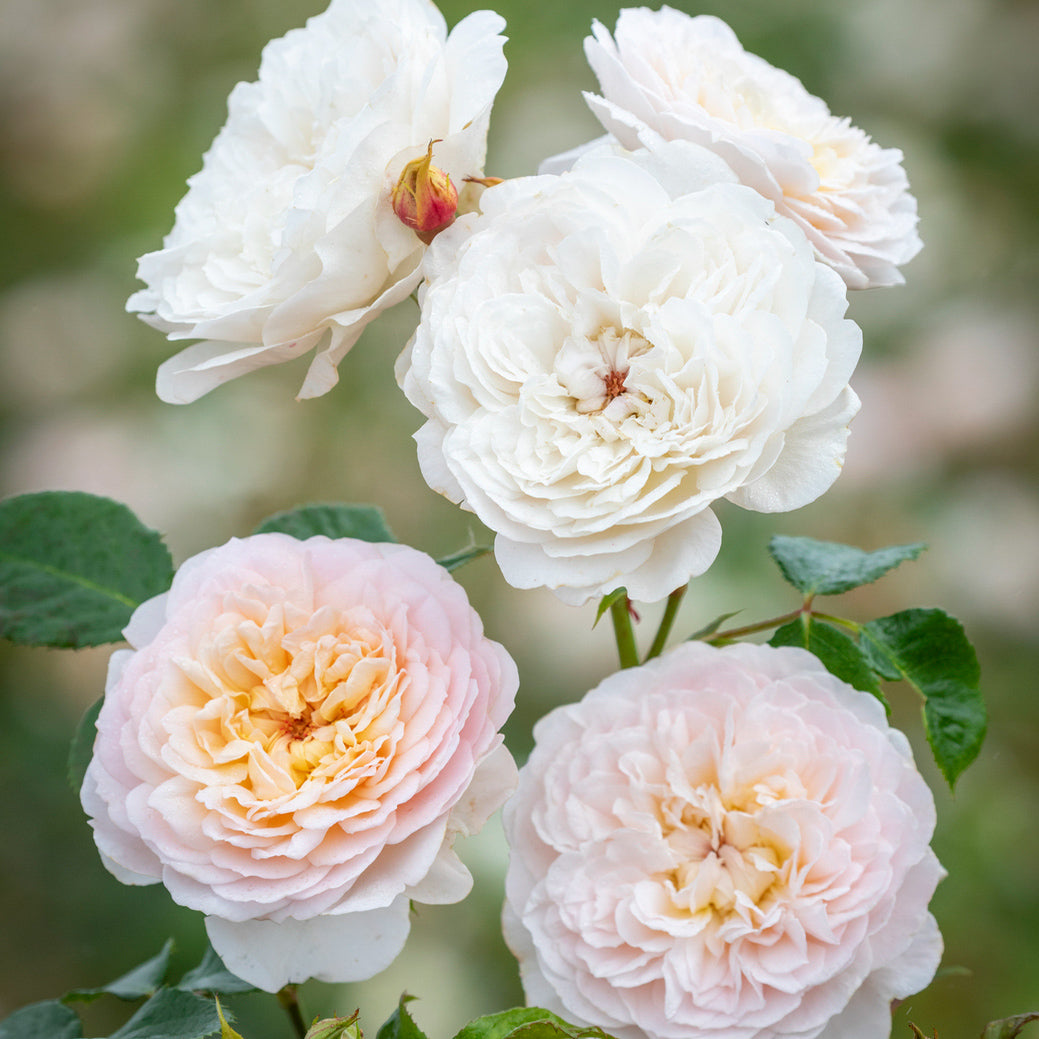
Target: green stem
[288,997]
[666,622]
[842,621]
[751,629]
[624,632]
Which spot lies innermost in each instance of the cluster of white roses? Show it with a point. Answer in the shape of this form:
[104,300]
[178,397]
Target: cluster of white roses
[658,327]
[719,842]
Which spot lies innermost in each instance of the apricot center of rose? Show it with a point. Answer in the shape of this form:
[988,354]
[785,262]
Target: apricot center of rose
[286,705]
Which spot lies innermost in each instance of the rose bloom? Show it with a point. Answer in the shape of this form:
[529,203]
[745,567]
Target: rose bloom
[297,736]
[287,240]
[603,354]
[688,78]
[722,842]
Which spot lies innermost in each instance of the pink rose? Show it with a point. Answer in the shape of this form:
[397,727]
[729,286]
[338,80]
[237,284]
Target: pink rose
[723,842]
[298,734]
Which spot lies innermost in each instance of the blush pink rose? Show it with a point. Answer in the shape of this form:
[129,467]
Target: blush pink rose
[723,842]
[298,734]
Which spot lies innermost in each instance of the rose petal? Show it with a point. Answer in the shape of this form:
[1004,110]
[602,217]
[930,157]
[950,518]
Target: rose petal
[351,947]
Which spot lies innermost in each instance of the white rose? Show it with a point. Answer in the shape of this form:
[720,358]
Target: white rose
[603,354]
[688,78]
[286,240]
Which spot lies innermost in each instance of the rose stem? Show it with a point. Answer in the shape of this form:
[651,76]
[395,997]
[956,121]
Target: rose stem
[666,622]
[288,997]
[751,629]
[625,634]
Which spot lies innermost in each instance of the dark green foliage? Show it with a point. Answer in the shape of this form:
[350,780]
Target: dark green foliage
[838,652]
[826,568]
[363,522]
[929,650]
[73,567]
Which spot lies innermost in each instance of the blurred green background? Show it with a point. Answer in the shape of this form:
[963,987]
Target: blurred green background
[105,110]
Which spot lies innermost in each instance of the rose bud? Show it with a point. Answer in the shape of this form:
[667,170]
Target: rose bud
[335,1028]
[424,198]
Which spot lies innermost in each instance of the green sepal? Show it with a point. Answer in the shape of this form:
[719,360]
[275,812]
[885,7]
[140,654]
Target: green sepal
[527,1023]
[49,1019]
[363,522]
[172,1014]
[400,1024]
[1008,1027]
[607,602]
[82,747]
[335,1028]
[928,649]
[837,652]
[74,567]
[226,1031]
[142,981]
[212,976]
[827,568]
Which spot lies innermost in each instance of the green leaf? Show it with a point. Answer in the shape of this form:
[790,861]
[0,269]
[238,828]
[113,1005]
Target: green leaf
[929,650]
[47,1020]
[82,747]
[956,721]
[527,1023]
[364,522]
[172,1014]
[549,1029]
[400,1024]
[1008,1027]
[142,981]
[212,976]
[73,567]
[826,568]
[466,555]
[607,601]
[838,652]
[498,1026]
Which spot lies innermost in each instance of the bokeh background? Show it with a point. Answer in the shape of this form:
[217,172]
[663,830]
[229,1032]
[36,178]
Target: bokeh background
[105,110]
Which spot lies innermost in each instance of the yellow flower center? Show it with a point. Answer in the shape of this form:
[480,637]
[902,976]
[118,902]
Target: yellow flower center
[284,698]
[733,862]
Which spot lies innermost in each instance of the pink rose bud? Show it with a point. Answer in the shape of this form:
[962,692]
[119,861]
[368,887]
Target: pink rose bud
[424,198]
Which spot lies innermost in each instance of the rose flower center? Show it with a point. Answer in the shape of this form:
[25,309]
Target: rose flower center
[594,371]
[292,699]
[730,863]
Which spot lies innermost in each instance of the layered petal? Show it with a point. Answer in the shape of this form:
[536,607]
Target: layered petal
[666,75]
[297,737]
[724,842]
[287,241]
[605,353]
